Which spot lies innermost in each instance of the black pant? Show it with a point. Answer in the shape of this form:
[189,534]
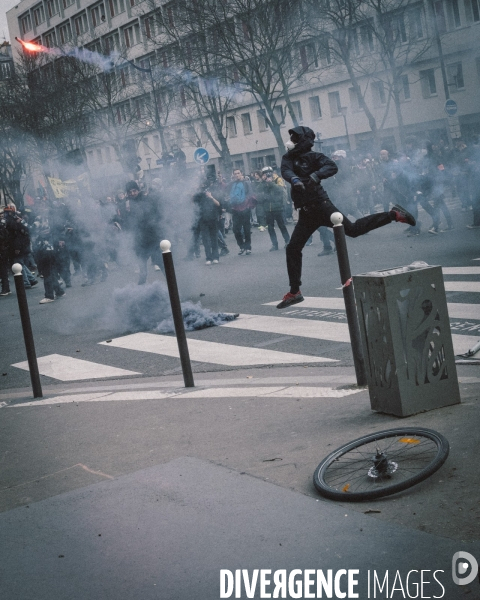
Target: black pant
[209,231]
[242,228]
[272,216]
[315,216]
[4,268]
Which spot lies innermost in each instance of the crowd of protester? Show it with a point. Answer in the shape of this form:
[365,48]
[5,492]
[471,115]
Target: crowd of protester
[57,239]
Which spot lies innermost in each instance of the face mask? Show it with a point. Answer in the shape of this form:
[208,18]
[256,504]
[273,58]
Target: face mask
[290,145]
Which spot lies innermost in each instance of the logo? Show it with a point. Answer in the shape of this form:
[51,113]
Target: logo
[460,566]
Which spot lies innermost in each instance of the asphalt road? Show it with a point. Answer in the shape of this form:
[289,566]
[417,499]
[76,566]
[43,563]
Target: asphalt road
[77,325]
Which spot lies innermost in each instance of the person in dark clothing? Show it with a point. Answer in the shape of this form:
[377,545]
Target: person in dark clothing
[4,255]
[145,226]
[45,257]
[305,170]
[272,200]
[208,211]
[241,201]
[19,243]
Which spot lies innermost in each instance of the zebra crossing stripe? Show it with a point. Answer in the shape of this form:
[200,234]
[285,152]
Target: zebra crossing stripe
[309,328]
[456,310]
[66,368]
[462,286]
[322,330]
[212,352]
[461,270]
[317,302]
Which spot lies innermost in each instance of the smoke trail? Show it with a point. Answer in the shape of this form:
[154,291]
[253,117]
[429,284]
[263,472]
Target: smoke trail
[147,308]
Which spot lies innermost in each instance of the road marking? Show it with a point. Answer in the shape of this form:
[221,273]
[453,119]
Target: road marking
[462,286]
[461,270]
[212,352]
[456,310]
[218,392]
[317,302]
[316,329]
[462,343]
[323,330]
[290,392]
[66,368]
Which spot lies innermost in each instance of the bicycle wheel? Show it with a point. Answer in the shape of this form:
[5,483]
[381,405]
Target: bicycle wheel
[380,464]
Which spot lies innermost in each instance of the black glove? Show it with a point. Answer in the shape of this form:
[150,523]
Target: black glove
[314,178]
[297,183]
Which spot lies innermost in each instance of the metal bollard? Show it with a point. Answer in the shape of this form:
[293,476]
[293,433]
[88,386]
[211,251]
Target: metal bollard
[27,330]
[349,298]
[165,246]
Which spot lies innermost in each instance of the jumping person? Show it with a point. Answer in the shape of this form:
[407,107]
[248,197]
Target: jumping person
[305,169]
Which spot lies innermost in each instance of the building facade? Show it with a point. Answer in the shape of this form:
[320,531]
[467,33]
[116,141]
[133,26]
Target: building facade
[324,99]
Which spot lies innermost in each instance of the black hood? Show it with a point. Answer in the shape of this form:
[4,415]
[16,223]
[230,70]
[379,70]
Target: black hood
[303,138]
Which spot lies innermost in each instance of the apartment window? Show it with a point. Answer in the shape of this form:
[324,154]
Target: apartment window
[324,53]
[67,3]
[397,28]
[297,109]
[116,7]
[354,100]
[128,36]
[81,24]
[258,162]
[366,35]
[246,123]
[454,10]
[123,113]
[308,57]
[111,43]
[335,105]
[124,75]
[99,157]
[156,143]
[416,19]
[98,16]
[472,10]
[262,120]
[279,115]
[405,87]
[52,7]
[427,80]
[378,93]
[231,127]
[315,108]
[455,76]
[26,23]
[146,147]
[65,33]
[49,39]
[440,16]
[179,137]
[5,71]
[148,25]
[38,15]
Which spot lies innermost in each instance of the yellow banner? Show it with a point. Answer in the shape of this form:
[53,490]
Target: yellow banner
[62,189]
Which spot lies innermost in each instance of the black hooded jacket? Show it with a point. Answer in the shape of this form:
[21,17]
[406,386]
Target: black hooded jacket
[301,162]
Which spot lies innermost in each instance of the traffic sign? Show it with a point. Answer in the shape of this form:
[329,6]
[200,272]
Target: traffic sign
[451,108]
[201,156]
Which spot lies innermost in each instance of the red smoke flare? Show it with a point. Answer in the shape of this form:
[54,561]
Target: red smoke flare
[31,46]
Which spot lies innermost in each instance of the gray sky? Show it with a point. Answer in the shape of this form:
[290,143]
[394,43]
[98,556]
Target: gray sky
[4,6]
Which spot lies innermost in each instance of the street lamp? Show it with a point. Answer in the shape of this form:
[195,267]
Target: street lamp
[343,112]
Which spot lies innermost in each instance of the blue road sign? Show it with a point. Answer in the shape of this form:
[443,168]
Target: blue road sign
[201,156]
[451,108]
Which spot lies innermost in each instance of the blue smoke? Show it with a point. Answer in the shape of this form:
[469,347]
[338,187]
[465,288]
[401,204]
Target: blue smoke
[147,308]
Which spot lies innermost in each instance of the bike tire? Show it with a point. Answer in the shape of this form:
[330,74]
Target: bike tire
[328,474]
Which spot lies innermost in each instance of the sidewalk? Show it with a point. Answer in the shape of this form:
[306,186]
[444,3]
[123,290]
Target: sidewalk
[231,487]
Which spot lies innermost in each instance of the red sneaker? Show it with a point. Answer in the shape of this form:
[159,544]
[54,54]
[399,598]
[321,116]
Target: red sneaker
[290,299]
[402,215]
